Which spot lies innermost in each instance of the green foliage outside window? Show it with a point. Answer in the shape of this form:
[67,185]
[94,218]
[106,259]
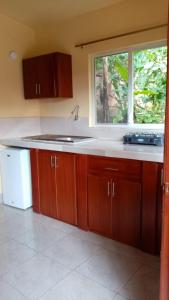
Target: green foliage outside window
[148,86]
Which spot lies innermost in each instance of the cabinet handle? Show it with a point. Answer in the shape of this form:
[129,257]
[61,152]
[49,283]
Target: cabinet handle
[56,159]
[54,85]
[39,88]
[108,188]
[162,177]
[52,161]
[112,169]
[36,88]
[113,189]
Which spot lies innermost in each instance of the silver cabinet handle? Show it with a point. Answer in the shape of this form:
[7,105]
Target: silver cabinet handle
[112,169]
[108,188]
[113,189]
[52,161]
[36,88]
[39,88]
[56,159]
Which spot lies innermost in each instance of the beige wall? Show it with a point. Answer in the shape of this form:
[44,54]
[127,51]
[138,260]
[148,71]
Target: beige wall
[14,36]
[126,16]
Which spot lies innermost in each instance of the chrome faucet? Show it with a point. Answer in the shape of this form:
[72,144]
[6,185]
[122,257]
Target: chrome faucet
[75,112]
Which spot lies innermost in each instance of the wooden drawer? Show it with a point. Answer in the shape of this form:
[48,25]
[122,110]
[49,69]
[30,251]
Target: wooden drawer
[114,165]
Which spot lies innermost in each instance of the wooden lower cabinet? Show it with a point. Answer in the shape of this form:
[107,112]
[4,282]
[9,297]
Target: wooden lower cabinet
[126,211]
[117,198]
[100,204]
[47,184]
[66,188]
[56,185]
[114,208]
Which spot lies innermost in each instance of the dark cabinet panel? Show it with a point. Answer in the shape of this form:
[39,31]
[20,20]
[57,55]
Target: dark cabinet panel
[35,180]
[47,183]
[151,207]
[30,78]
[100,204]
[114,208]
[54,184]
[66,187]
[81,190]
[127,208]
[63,75]
[46,83]
[48,76]
[126,211]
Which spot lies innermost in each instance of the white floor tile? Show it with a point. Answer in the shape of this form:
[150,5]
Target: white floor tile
[108,244]
[77,287]
[12,255]
[71,252]
[118,297]
[90,236]
[36,276]
[103,269]
[9,293]
[40,237]
[110,269]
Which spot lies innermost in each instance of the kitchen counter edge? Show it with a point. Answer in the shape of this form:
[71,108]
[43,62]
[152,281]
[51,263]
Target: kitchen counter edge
[99,147]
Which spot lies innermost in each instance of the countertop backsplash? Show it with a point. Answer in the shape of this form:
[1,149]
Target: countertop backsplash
[61,125]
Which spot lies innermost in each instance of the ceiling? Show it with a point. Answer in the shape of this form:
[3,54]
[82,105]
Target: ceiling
[40,12]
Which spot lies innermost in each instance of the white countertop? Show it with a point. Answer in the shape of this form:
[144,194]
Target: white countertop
[101,147]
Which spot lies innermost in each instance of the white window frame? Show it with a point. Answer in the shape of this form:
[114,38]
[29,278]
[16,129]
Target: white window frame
[92,104]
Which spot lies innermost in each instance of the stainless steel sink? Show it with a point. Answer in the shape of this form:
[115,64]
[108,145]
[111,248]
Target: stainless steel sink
[59,138]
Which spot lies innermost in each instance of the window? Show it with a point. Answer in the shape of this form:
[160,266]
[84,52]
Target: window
[130,87]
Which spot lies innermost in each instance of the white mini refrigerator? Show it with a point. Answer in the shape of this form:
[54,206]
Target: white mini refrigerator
[16,177]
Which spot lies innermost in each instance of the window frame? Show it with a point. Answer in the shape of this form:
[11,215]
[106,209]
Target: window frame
[93,107]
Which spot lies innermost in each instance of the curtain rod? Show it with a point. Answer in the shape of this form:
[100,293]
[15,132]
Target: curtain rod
[120,35]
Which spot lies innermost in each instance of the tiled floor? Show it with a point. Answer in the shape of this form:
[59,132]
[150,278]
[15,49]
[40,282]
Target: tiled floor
[42,258]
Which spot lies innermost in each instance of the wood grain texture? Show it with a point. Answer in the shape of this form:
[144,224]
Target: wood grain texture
[66,187]
[159,208]
[81,179]
[35,180]
[30,77]
[48,76]
[126,211]
[63,75]
[100,204]
[164,280]
[47,184]
[45,72]
[114,165]
[150,186]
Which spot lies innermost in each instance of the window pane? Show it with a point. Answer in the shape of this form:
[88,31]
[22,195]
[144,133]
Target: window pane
[150,85]
[111,88]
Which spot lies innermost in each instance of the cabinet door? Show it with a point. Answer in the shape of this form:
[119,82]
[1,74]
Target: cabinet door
[99,204]
[46,84]
[47,183]
[66,187]
[30,78]
[126,211]
[48,76]
[63,75]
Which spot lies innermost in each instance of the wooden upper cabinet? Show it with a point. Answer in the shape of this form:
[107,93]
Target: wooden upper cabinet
[48,76]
